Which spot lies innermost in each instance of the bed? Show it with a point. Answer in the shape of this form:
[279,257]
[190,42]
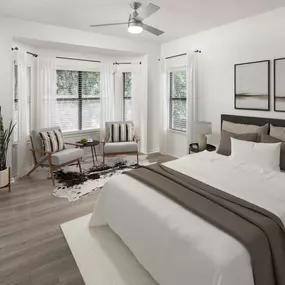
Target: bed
[172,243]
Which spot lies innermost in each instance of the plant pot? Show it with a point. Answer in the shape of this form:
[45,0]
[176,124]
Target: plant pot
[4,177]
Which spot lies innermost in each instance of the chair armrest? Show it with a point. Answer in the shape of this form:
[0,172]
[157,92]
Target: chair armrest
[74,144]
[136,139]
[40,151]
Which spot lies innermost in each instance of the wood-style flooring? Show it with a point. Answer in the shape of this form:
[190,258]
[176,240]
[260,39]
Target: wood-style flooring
[33,250]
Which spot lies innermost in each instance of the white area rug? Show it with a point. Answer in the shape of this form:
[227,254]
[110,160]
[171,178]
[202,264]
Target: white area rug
[102,257]
[72,185]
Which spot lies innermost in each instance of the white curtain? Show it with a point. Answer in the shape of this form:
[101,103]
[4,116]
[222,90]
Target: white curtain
[23,121]
[139,104]
[163,107]
[107,96]
[192,100]
[46,106]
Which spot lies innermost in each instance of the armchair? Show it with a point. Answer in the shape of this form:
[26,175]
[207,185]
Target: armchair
[118,148]
[53,160]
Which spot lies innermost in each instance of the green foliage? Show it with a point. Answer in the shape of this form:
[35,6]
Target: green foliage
[179,84]
[127,84]
[5,136]
[83,140]
[69,82]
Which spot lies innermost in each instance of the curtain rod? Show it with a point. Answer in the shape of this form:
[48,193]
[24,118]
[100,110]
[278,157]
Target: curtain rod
[30,53]
[182,54]
[79,59]
[118,63]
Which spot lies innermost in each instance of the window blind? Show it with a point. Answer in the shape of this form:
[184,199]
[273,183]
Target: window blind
[177,100]
[78,100]
[127,96]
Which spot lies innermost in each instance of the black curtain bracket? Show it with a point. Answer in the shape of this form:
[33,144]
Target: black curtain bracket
[30,53]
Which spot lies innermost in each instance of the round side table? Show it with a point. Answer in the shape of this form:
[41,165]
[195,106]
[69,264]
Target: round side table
[92,146]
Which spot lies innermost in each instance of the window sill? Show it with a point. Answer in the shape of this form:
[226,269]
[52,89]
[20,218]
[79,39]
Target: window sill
[80,133]
[175,132]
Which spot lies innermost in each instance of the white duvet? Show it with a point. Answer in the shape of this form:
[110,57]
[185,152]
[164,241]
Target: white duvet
[176,246]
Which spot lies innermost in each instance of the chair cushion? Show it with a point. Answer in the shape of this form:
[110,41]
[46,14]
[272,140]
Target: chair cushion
[52,140]
[66,155]
[121,132]
[120,147]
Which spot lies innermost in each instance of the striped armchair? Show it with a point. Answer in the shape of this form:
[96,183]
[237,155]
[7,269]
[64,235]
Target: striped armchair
[120,139]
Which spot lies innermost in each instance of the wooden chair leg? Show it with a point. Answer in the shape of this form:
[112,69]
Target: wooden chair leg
[79,165]
[34,168]
[52,176]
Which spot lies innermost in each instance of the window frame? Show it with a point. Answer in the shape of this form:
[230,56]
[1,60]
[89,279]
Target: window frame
[80,100]
[171,99]
[124,97]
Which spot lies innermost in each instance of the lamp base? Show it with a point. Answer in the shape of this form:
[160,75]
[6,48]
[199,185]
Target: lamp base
[202,142]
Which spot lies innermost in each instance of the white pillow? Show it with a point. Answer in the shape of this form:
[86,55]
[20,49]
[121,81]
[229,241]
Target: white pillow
[266,155]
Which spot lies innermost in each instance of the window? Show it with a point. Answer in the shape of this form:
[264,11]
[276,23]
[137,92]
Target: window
[16,101]
[177,100]
[78,100]
[127,96]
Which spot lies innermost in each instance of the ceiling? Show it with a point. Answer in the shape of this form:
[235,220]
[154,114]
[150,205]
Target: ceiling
[177,18]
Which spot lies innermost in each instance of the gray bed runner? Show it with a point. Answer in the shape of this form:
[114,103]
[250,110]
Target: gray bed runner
[260,231]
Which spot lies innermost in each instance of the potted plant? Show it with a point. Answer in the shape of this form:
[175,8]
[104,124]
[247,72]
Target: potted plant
[5,136]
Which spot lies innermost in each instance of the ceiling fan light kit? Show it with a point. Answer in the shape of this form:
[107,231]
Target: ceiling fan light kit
[135,27]
[135,22]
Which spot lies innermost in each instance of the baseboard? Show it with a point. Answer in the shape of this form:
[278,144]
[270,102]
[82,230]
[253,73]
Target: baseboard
[152,151]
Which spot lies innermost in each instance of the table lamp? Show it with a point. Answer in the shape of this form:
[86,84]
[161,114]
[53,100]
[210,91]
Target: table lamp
[202,129]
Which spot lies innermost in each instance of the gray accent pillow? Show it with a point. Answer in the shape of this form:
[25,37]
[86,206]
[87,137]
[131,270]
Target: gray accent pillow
[277,132]
[270,139]
[245,129]
[225,143]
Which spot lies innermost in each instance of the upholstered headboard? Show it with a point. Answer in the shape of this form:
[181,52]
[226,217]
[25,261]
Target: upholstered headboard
[252,120]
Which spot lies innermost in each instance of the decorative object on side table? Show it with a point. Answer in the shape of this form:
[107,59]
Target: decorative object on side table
[201,129]
[252,85]
[5,137]
[194,147]
[279,85]
[90,143]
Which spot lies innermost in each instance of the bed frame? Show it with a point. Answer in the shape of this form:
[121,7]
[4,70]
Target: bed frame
[252,120]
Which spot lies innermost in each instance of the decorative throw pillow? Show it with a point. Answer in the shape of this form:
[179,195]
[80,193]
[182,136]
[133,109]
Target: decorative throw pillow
[52,140]
[225,143]
[60,140]
[121,133]
[277,132]
[270,139]
[265,155]
[245,129]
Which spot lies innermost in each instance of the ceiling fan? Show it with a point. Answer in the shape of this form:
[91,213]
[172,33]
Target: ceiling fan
[135,22]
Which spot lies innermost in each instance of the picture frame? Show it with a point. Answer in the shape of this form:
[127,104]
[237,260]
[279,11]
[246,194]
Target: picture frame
[279,85]
[252,86]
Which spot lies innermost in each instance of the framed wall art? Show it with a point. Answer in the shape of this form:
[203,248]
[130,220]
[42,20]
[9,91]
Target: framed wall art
[279,85]
[252,85]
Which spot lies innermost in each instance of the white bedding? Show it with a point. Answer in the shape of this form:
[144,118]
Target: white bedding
[176,246]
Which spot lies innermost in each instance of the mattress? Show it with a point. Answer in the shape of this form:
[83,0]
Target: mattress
[173,244]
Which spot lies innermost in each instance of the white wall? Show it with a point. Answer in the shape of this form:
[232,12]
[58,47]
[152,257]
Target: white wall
[256,38]
[11,28]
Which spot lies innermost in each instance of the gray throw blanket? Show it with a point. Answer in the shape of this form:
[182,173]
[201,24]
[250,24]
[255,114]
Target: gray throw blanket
[260,231]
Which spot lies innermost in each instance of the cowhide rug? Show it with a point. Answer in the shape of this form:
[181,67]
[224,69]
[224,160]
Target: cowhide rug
[72,185]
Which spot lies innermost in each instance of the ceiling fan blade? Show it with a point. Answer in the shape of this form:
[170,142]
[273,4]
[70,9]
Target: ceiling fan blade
[147,11]
[152,30]
[105,25]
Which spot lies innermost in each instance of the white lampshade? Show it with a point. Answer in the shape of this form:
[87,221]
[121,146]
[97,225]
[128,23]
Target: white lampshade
[135,29]
[202,128]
